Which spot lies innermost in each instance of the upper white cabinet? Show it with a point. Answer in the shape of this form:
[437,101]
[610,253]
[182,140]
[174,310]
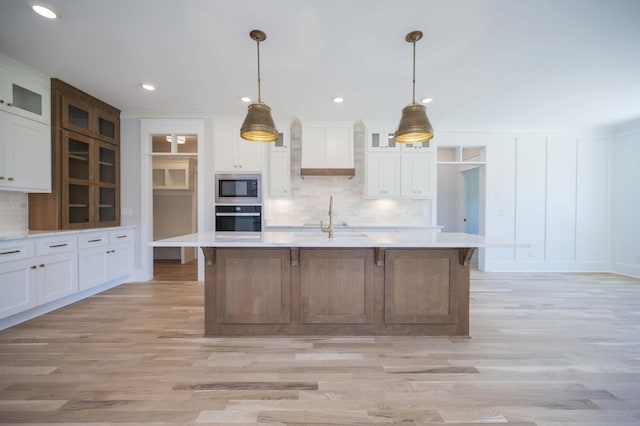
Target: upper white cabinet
[25,130]
[24,92]
[381,140]
[280,164]
[234,154]
[383,175]
[417,147]
[327,147]
[418,175]
[25,154]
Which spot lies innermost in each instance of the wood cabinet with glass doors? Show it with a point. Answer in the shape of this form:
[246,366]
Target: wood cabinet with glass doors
[85,166]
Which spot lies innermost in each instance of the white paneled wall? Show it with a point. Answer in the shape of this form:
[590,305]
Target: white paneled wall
[530,209]
[548,190]
[626,200]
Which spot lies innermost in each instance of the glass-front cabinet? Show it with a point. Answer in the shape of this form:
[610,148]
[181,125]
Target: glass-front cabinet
[83,117]
[90,182]
[23,96]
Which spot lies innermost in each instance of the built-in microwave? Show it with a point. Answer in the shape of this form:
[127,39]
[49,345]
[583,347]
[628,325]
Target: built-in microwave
[239,188]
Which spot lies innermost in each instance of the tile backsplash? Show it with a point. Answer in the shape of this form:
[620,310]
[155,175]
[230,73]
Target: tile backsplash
[309,202]
[14,213]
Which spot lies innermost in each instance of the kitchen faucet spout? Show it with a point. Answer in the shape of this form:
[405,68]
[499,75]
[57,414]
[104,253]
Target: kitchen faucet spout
[329,229]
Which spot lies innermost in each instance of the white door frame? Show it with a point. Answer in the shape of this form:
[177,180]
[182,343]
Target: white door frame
[148,128]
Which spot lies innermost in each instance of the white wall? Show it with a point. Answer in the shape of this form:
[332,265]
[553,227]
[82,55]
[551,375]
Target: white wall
[626,199]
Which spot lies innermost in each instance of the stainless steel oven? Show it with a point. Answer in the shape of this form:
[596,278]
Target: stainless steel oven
[239,188]
[239,218]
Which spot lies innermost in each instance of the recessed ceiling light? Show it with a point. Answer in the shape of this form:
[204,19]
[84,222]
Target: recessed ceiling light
[148,86]
[245,99]
[44,11]
[338,100]
[426,100]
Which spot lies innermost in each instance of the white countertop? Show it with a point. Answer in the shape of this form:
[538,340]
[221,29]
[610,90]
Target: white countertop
[7,236]
[427,239]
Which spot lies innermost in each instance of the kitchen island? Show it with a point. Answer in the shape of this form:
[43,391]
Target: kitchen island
[305,283]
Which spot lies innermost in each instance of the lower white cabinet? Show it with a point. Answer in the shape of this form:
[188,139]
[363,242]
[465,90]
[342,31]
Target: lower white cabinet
[38,270]
[56,276]
[17,287]
[104,256]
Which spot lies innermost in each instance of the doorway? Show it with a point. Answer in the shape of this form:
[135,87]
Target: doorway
[175,204]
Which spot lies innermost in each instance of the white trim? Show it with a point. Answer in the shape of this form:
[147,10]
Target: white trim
[150,127]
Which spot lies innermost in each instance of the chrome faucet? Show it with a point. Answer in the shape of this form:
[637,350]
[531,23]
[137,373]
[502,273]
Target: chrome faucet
[329,228]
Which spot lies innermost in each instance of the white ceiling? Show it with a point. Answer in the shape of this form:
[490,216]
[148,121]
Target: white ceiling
[488,64]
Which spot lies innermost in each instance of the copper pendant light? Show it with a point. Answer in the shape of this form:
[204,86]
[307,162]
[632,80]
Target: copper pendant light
[414,125]
[258,125]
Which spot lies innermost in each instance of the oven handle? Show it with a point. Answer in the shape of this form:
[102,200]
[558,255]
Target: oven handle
[238,214]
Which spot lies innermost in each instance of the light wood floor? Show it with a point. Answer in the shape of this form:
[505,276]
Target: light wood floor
[173,270]
[546,349]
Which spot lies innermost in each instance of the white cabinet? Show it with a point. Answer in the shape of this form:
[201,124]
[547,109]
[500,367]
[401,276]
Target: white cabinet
[234,154]
[17,277]
[279,174]
[418,175]
[383,175]
[30,277]
[173,173]
[381,140]
[104,256]
[35,271]
[24,92]
[417,147]
[25,154]
[327,146]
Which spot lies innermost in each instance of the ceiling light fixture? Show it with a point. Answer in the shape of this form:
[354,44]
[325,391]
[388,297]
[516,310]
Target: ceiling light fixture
[179,139]
[414,125]
[258,125]
[44,11]
[148,86]
[245,99]
[426,100]
[338,100]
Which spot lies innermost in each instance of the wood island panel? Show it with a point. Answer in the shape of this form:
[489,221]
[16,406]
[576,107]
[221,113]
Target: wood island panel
[336,291]
[336,286]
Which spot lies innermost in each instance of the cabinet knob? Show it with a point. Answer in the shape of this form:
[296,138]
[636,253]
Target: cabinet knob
[41,265]
[10,178]
[33,266]
[1,177]
[1,101]
[9,104]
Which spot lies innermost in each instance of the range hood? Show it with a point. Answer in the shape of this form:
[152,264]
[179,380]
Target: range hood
[327,150]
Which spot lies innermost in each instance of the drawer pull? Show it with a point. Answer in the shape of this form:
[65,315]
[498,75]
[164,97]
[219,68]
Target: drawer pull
[10,252]
[41,265]
[121,236]
[95,241]
[33,266]
[58,245]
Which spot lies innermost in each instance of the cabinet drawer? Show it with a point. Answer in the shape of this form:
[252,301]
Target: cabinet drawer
[119,237]
[94,239]
[16,250]
[53,245]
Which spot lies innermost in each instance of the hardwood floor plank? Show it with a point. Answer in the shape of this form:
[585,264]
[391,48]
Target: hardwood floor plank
[545,350]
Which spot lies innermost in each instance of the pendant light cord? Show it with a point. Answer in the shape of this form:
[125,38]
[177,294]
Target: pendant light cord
[414,72]
[259,94]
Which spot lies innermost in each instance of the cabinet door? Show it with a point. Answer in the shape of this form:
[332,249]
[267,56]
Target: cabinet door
[225,137]
[279,174]
[26,149]
[339,147]
[23,96]
[92,266]
[382,140]
[250,155]
[383,175]
[108,177]
[107,126]
[17,287]
[57,276]
[418,176]
[120,260]
[77,173]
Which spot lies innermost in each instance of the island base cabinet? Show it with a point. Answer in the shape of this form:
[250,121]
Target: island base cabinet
[336,291]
